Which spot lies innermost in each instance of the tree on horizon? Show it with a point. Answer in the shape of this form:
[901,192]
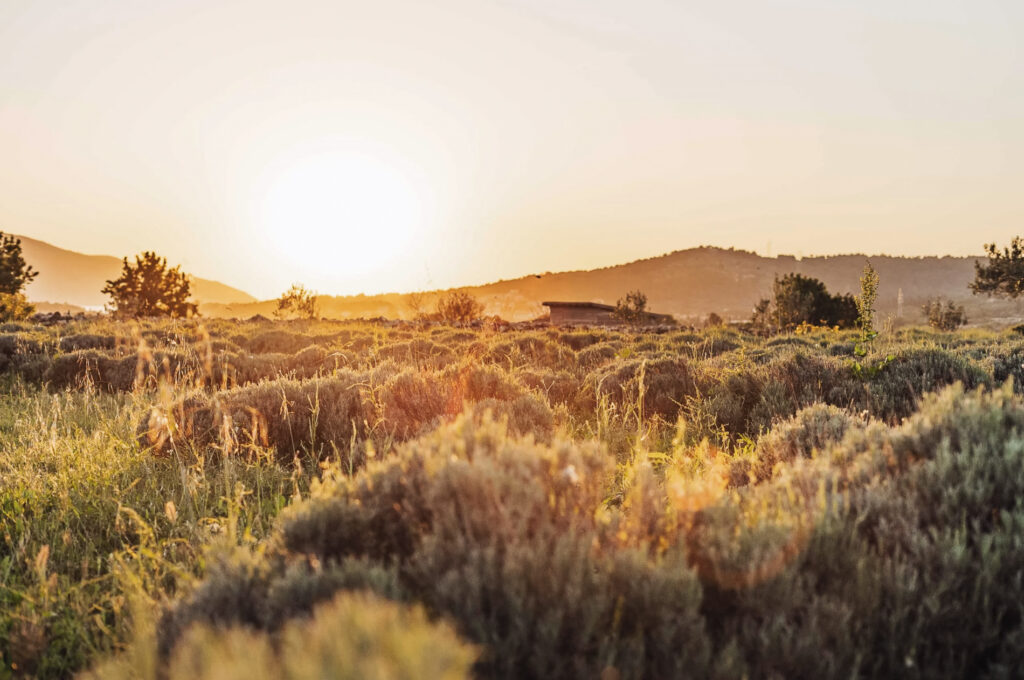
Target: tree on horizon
[149,288]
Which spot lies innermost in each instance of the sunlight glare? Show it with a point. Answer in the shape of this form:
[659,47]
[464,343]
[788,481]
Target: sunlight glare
[339,212]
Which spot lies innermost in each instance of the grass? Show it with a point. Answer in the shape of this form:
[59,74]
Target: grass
[569,504]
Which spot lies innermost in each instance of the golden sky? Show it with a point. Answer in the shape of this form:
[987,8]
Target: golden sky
[395,145]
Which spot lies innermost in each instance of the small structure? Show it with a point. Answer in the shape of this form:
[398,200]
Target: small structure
[594,314]
[581,313]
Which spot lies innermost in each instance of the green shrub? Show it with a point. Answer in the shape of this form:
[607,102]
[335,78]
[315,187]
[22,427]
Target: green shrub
[811,430]
[353,636]
[505,537]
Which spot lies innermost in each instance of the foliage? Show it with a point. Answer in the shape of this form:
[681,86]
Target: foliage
[798,299]
[1003,274]
[149,288]
[618,502]
[631,309]
[866,302]
[297,300]
[459,307]
[944,315]
[351,637]
[14,307]
[15,273]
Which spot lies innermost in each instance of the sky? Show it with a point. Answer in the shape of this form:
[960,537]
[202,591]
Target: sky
[398,145]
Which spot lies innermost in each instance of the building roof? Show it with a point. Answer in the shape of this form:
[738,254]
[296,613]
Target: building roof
[584,305]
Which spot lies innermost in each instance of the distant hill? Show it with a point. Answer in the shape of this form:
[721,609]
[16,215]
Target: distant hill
[692,283]
[70,278]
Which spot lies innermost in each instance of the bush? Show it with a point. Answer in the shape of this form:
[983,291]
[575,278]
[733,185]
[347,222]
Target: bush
[811,430]
[505,537]
[351,636]
[459,307]
[318,418]
[944,316]
[903,566]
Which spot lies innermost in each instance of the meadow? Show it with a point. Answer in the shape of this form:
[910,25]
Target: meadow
[308,499]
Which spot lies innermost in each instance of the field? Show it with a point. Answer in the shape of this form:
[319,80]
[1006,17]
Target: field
[220,499]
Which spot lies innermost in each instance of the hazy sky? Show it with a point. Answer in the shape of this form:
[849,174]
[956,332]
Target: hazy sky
[389,145]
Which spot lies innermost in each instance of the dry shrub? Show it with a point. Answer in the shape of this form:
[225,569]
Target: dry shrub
[79,341]
[526,414]
[275,341]
[70,371]
[597,355]
[319,417]
[559,388]
[665,384]
[580,340]
[414,402]
[419,353]
[536,351]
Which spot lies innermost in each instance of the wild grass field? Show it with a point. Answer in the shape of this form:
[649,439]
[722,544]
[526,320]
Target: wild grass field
[218,499]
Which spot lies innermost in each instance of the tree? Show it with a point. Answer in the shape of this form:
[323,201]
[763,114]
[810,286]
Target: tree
[944,315]
[798,299]
[631,309]
[459,307]
[298,300]
[149,288]
[1003,274]
[15,274]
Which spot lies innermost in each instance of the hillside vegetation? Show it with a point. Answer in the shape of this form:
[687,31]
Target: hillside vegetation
[693,283]
[348,499]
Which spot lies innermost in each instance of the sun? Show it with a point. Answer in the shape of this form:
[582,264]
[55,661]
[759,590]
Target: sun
[340,212]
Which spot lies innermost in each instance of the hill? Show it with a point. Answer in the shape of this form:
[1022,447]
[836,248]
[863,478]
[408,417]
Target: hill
[692,283]
[75,279]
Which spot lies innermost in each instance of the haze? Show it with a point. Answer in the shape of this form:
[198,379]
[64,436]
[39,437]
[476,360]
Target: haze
[375,146]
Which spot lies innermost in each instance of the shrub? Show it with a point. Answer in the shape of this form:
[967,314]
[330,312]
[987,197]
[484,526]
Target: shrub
[276,341]
[459,307]
[811,430]
[318,418]
[504,537]
[944,316]
[15,307]
[79,341]
[352,636]
[664,383]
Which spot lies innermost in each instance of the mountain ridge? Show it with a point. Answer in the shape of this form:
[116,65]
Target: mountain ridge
[691,284]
